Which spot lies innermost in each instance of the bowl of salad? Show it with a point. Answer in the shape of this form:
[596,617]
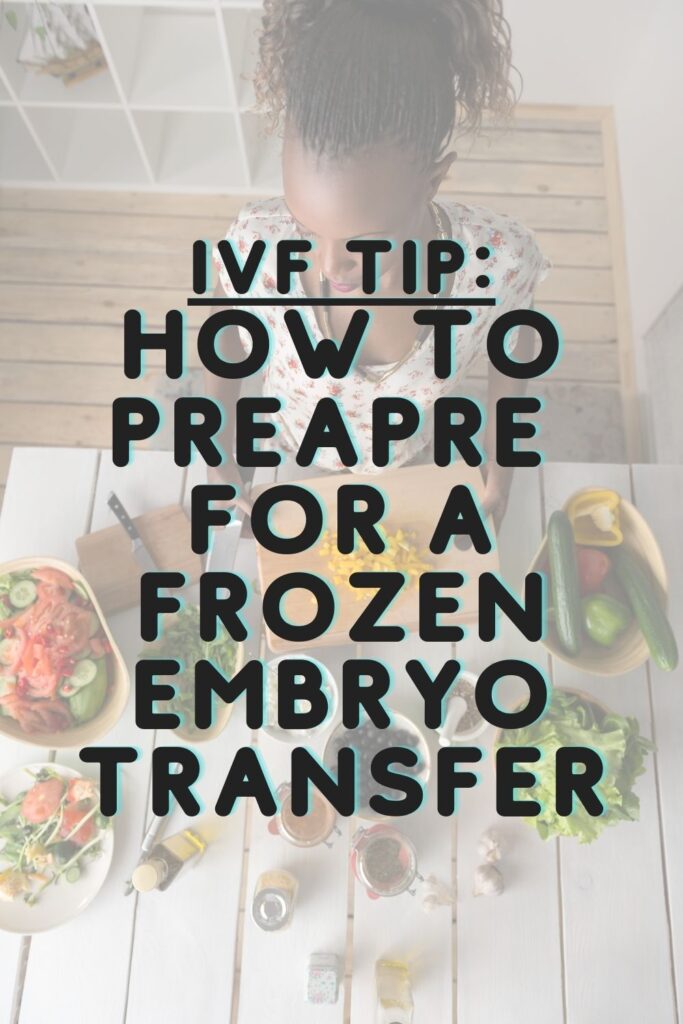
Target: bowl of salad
[63,682]
[55,847]
[180,641]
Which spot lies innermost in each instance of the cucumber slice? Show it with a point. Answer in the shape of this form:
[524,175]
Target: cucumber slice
[84,672]
[7,651]
[66,689]
[23,593]
[73,873]
[94,624]
[88,701]
[7,684]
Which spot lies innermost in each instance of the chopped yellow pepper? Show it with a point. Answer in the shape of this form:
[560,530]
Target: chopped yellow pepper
[402,554]
[595,518]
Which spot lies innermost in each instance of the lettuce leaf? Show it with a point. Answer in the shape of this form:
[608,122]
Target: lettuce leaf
[573,720]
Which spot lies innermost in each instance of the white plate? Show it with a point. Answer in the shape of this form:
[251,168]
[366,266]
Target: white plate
[64,900]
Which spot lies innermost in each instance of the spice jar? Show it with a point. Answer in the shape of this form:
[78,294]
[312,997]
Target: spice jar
[394,993]
[273,903]
[307,830]
[384,861]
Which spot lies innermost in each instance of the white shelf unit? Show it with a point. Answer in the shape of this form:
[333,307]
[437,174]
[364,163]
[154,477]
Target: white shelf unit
[173,111]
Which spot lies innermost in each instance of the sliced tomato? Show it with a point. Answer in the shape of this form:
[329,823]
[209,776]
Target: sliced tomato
[73,813]
[42,800]
[18,642]
[53,576]
[80,789]
[98,647]
[72,628]
[37,716]
[41,686]
[51,715]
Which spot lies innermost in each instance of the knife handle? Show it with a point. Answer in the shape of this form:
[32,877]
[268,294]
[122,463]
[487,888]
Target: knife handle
[119,511]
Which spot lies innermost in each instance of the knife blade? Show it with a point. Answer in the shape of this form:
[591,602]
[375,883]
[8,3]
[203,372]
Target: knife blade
[224,547]
[141,553]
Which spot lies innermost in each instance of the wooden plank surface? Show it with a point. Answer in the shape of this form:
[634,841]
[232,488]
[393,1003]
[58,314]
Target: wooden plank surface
[173,940]
[173,269]
[152,479]
[64,485]
[618,958]
[50,228]
[604,931]
[657,493]
[496,975]
[102,305]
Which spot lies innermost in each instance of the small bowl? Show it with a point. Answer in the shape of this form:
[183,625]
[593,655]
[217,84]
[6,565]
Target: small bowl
[119,685]
[398,721]
[631,650]
[297,735]
[464,735]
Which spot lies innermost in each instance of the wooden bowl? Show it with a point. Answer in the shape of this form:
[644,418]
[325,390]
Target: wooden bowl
[630,651]
[87,733]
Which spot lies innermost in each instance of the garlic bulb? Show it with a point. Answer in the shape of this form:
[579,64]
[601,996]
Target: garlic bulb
[435,894]
[489,848]
[488,881]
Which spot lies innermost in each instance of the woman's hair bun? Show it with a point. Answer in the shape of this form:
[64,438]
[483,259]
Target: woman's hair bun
[345,71]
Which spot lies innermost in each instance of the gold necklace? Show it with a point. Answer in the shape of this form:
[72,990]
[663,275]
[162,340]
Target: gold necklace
[373,375]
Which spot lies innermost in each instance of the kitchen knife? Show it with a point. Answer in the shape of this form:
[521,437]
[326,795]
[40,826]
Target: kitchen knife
[224,547]
[140,552]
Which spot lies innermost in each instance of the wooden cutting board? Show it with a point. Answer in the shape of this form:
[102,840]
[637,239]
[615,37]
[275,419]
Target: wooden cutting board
[107,562]
[415,497]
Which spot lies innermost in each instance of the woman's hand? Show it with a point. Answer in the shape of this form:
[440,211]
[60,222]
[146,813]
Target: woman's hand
[498,480]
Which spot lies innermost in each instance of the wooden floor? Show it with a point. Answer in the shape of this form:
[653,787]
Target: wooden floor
[71,263]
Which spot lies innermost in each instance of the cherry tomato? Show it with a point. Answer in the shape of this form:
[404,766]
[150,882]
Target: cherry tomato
[42,800]
[72,815]
[593,568]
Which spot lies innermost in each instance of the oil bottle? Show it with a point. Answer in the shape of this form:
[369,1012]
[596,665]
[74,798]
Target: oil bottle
[167,859]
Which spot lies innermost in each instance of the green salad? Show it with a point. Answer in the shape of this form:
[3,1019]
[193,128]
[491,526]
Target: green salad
[181,641]
[572,719]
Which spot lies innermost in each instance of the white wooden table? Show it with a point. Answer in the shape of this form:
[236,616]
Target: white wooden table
[586,935]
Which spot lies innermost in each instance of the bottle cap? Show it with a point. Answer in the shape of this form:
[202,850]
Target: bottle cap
[147,876]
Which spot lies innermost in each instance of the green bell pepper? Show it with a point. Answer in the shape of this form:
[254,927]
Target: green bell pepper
[605,619]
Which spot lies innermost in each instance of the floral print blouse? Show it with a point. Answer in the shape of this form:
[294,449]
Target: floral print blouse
[515,267]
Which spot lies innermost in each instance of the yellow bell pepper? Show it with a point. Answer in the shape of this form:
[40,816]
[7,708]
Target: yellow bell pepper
[595,518]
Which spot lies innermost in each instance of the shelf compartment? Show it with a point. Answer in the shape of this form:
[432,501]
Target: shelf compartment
[196,150]
[20,159]
[242,26]
[89,146]
[33,87]
[167,58]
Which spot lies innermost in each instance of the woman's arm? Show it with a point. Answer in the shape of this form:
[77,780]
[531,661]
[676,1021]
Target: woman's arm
[499,478]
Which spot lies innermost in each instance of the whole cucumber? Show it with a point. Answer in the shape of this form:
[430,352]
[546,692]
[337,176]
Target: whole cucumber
[564,583]
[640,588]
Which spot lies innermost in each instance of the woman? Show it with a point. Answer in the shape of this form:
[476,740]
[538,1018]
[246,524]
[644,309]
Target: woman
[370,93]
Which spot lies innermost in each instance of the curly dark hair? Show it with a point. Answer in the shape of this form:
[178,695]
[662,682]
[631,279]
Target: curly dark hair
[349,73]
